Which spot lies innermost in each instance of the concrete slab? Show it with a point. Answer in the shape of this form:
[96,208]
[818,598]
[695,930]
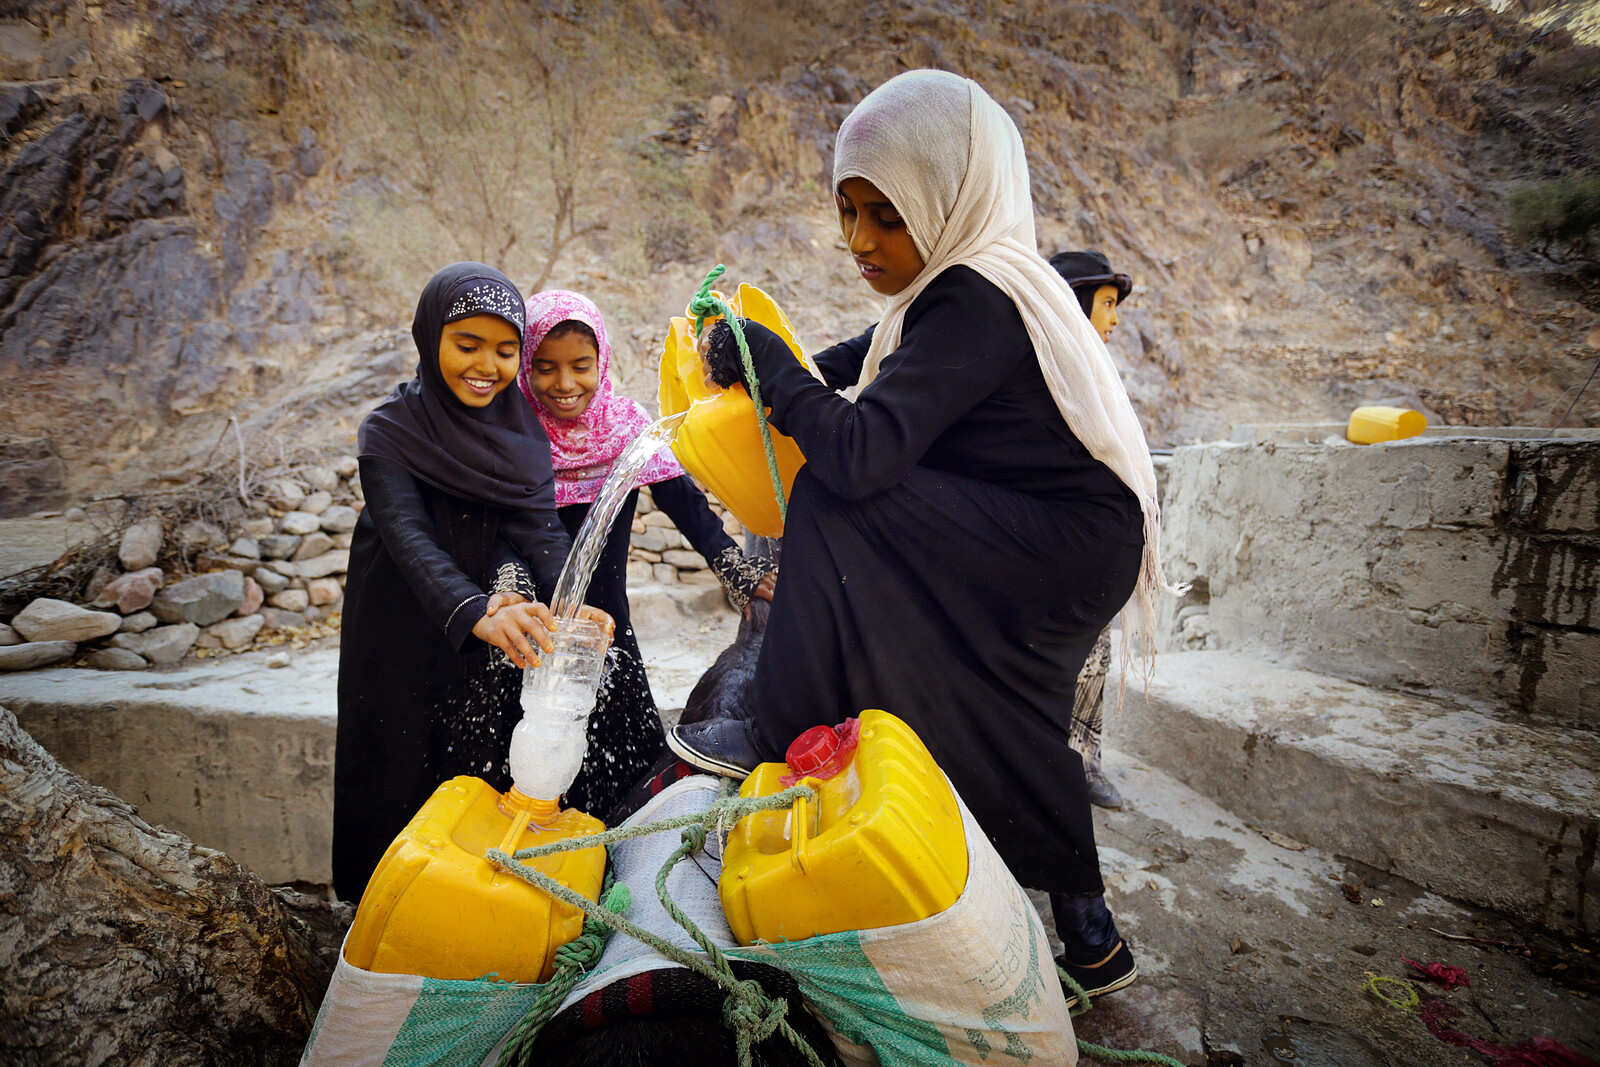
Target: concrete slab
[1478,809]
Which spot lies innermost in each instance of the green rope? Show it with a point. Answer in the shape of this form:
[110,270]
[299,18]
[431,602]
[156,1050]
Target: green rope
[572,960]
[1100,1052]
[747,1010]
[706,303]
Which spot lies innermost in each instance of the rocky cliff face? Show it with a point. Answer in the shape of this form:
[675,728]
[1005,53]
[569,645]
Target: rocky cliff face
[206,212]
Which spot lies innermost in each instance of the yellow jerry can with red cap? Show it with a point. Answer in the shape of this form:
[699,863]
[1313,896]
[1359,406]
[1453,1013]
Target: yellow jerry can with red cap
[436,907]
[882,845]
[720,442]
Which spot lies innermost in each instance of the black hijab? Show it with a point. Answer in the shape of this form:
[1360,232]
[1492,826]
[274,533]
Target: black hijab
[497,454]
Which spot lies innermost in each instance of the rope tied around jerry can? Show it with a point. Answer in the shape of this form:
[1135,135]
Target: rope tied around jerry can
[704,303]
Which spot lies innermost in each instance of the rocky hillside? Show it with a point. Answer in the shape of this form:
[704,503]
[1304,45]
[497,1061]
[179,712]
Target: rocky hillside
[214,212]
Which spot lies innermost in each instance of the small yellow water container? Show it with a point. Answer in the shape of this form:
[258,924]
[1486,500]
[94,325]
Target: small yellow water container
[883,844]
[1375,424]
[435,907]
[720,442]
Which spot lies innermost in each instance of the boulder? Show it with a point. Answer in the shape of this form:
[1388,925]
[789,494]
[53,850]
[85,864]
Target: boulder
[253,596]
[324,591]
[131,592]
[137,623]
[141,544]
[270,581]
[345,466]
[285,493]
[115,659]
[283,567]
[200,536]
[317,502]
[281,619]
[291,600]
[248,547]
[201,600]
[335,562]
[8,636]
[236,633]
[278,546]
[299,523]
[47,619]
[164,644]
[31,654]
[322,478]
[340,518]
[684,559]
[313,544]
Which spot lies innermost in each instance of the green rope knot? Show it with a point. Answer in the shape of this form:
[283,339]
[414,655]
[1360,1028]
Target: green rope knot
[704,303]
[695,837]
[751,1014]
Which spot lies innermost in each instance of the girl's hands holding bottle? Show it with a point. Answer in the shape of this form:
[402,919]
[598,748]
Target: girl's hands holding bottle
[513,618]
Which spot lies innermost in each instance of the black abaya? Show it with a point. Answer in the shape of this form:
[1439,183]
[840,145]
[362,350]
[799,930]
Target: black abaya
[951,553]
[420,699]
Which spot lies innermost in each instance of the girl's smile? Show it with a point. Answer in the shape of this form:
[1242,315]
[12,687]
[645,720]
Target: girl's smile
[879,242]
[478,357]
[565,371]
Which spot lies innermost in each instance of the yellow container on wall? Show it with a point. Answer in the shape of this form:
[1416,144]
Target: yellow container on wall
[719,442]
[882,845]
[1375,424]
[435,907]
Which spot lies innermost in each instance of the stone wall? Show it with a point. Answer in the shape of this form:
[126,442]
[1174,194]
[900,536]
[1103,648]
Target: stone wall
[1469,566]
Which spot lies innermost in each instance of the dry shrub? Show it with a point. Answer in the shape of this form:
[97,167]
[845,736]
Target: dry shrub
[1342,37]
[1221,143]
[1569,70]
[1563,213]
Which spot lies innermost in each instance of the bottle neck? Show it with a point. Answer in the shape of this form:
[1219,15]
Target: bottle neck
[542,811]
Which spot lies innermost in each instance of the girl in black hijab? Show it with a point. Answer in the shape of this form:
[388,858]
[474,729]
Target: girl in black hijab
[459,539]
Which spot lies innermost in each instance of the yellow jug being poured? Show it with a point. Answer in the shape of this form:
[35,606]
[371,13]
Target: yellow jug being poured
[882,845]
[720,442]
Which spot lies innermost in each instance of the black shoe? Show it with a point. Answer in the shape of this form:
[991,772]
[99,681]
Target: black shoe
[1102,794]
[721,746]
[1116,973]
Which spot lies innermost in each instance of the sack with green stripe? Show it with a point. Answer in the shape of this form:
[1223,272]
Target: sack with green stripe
[974,984]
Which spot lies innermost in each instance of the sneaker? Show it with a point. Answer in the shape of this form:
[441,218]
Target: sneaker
[721,746]
[1116,973]
[1102,794]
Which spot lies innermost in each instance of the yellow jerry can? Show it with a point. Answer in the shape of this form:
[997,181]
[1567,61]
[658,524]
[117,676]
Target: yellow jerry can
[1375,424]
[883,844]
[719,442]
[435,907]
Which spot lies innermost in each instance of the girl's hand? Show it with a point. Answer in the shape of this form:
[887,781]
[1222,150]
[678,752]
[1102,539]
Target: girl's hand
[508,623]
[768,585]
[607,624]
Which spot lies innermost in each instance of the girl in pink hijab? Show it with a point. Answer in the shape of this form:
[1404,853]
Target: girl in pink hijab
[565,375]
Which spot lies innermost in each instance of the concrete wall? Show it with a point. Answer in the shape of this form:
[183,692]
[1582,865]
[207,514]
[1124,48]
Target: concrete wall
[1467,565]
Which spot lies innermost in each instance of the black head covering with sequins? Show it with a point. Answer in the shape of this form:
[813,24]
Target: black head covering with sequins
[497,454]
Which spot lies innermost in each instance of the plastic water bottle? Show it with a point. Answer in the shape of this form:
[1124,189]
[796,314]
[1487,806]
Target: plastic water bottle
[549,742]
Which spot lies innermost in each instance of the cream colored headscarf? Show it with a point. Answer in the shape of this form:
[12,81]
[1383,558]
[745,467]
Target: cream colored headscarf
[951,161]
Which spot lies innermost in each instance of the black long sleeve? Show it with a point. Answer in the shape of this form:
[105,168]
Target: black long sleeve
[686,506]
[539,542]
[840,365]
[400,514]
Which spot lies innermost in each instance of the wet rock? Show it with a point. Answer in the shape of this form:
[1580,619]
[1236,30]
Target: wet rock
[202,600]
[279,546]
[324,591]
[317,502]
[339,519]
[299,523]
[33,654]
[290,600]
[335,562]
[141,544]
[131,592]
[115,659]
[236,633]
[137,623]
[314,544]
[270,581]
[164,644]
[253,596]
[47,619]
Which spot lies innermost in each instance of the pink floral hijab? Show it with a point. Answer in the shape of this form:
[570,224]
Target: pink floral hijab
[583,449]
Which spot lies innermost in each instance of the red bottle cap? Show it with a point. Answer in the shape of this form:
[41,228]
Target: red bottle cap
[811,751]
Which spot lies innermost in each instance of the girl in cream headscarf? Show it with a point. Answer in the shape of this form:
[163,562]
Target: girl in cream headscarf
[961,532]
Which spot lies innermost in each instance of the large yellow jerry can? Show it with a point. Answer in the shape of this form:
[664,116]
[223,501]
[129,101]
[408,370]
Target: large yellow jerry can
[1375,424]
[719,443]
[435,907]
[883,845]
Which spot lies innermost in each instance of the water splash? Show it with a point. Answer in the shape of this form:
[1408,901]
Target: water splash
[579,568]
